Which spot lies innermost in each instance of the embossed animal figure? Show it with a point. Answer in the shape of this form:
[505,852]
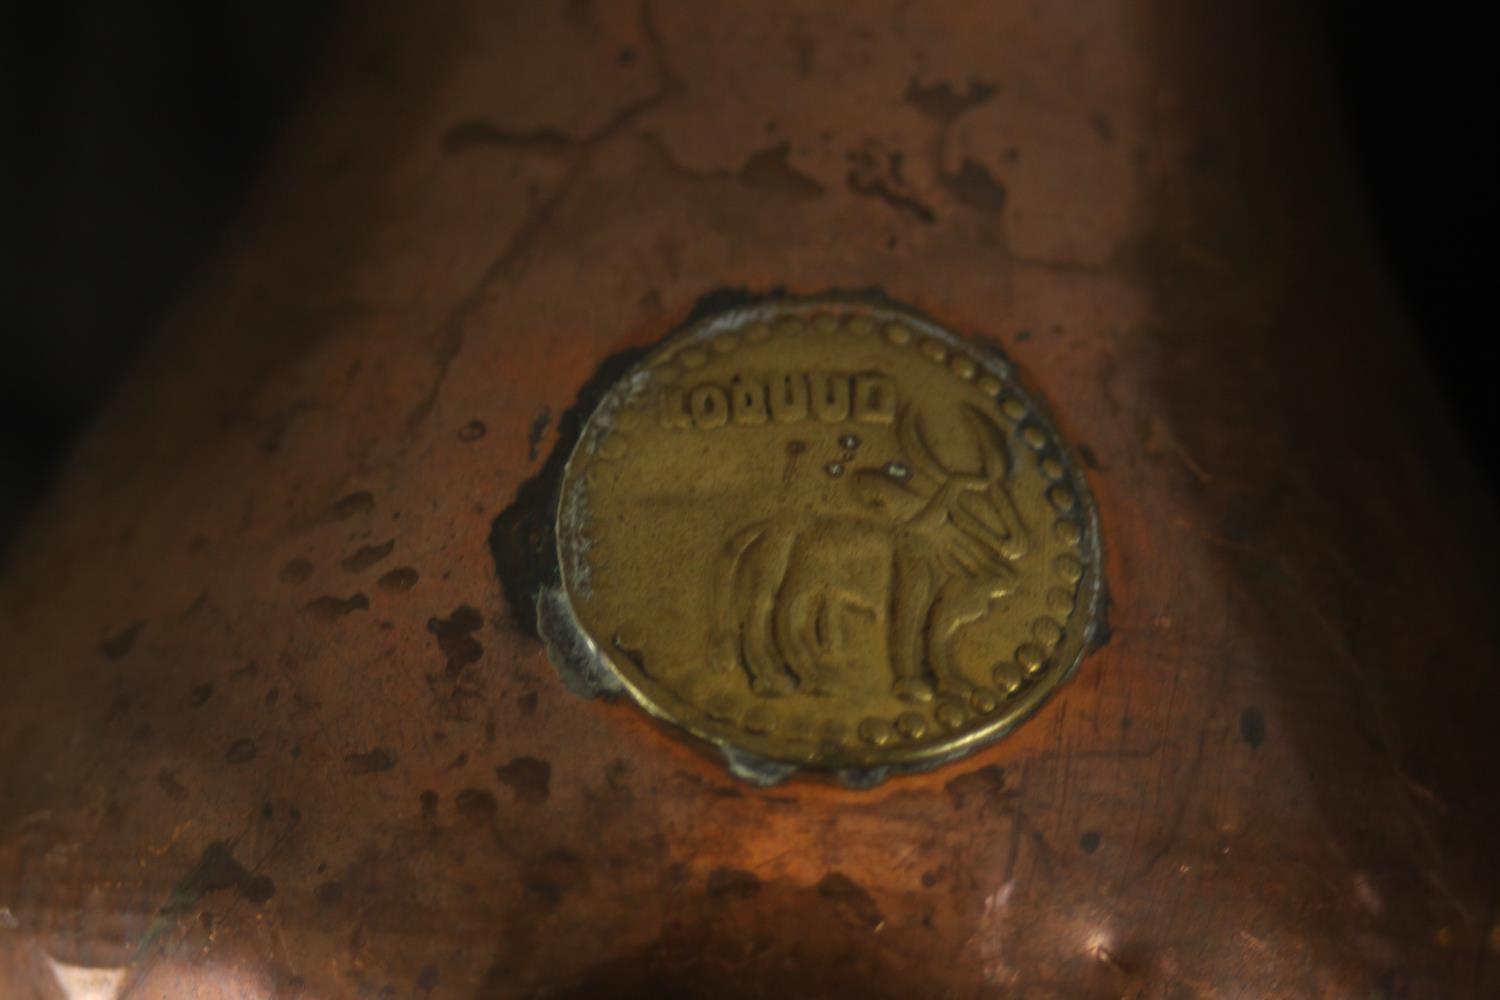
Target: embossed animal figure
[928,553]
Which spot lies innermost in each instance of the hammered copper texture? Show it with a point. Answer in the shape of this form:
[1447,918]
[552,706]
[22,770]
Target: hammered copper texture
[269,727]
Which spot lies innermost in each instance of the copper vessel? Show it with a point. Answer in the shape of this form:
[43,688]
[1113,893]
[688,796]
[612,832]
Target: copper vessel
[276,721]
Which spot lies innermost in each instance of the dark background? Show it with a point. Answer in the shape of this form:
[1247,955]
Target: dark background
[132,129]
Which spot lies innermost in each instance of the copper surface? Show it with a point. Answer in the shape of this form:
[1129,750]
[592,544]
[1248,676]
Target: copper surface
[270,725]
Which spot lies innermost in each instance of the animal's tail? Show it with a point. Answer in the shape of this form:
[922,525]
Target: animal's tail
[724,626]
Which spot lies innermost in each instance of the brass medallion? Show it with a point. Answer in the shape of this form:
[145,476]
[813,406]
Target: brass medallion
[825,534]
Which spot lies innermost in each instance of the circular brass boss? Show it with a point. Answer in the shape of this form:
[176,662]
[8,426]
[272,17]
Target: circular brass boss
[826,534]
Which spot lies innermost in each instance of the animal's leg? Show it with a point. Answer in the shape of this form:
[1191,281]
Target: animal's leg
[829,626]
[910,601]
[763,659]
[796,634]
[1018,542]
[947,620]
[728,609]
[960,604]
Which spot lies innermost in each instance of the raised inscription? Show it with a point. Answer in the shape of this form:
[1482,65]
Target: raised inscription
[780,397]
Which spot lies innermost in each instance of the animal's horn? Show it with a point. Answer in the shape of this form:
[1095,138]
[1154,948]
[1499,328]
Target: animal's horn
[994,457]
[914,444]
[997,512]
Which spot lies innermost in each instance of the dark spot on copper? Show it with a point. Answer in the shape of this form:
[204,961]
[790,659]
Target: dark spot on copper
[770,170]
[931,877]
[1103,126]
[248,670]
[330,608]
[329,893]
[852,899]
[217,870]
[796,447]
[427,978]
[200,694]
[476,805]
[732,883]
[198,604]
[527,703]
[528,777]
[975,187]
[1089,842]
[459,761]
[266,811]
[167,781]
[554,875]
[117,645]
[537,431]
[355,503]
[367,556]
[398,581]
[455,637]
[472,431]
[429,801]
[272,697]
[371,761]
[296,571]
[677,874]
[979,785]
[1089,458]
[1253,727]
[875,172]
[241,751]
[478,134]
[942,103]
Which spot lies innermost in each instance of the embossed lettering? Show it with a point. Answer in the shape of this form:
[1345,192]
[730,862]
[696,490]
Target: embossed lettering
[830,397]
[785,397]
[788,397]
[874,399]
[709,405]
[747,398]
[674,412]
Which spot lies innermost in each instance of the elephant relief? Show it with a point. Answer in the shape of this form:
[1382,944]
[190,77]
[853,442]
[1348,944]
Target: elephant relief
[927,552]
